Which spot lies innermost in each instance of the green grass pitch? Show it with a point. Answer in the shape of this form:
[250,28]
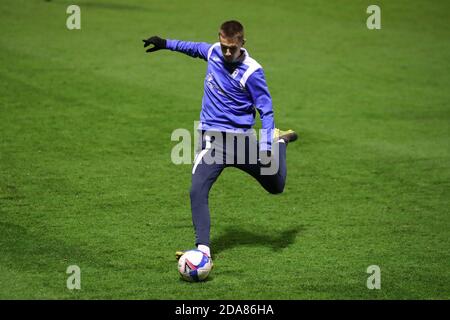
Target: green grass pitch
[86,177]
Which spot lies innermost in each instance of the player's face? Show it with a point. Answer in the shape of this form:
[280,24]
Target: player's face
[231,48]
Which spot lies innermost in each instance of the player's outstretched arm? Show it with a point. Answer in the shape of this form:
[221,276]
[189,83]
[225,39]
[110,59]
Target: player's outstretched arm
[192,49]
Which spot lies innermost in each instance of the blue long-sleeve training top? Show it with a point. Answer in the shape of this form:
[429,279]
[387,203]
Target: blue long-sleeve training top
[231,95]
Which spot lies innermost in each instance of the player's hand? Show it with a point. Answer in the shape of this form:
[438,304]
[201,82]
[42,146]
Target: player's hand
[265,157]
[157,42]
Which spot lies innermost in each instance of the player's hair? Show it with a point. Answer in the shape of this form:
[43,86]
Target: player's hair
[232,29]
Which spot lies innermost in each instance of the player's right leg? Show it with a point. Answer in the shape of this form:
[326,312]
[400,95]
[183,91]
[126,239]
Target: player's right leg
[202,180]
[204,174]
[203,177]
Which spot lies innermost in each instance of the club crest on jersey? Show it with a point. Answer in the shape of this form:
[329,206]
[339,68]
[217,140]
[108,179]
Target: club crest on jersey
[235,73]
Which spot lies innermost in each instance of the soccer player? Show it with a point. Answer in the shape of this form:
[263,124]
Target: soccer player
[235,87]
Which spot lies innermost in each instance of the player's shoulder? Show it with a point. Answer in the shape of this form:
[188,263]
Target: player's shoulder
[251,67]
[250,62]
[212,49]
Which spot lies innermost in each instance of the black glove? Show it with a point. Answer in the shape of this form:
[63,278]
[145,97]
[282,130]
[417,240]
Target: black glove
[157,42]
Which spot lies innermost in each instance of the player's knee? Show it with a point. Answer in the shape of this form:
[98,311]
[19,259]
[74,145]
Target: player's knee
[277,191]
[197,194]
[193,193]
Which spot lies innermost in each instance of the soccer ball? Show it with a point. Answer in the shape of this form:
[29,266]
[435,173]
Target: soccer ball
[194,265]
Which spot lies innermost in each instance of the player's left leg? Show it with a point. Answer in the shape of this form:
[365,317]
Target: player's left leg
[272,182]
[271,177]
